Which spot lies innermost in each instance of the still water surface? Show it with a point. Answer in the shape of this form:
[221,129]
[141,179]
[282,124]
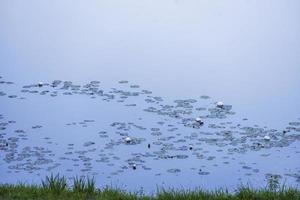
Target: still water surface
[179,58]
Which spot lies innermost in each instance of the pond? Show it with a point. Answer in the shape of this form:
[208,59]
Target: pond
[145,94]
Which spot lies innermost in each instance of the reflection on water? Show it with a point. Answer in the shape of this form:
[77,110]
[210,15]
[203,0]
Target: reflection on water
[112,133]
[130,92]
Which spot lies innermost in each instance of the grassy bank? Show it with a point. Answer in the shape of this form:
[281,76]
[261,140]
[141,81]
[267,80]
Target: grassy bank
[55,187]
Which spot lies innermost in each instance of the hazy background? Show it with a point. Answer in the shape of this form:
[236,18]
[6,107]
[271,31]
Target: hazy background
[245,53]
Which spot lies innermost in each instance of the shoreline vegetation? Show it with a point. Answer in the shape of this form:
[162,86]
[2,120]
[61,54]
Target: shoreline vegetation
[56,187]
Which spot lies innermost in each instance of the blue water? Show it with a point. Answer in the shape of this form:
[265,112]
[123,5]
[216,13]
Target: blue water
[245,54]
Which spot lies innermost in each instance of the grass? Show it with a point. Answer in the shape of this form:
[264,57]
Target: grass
[82,185]
[55,187]
[54,184]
